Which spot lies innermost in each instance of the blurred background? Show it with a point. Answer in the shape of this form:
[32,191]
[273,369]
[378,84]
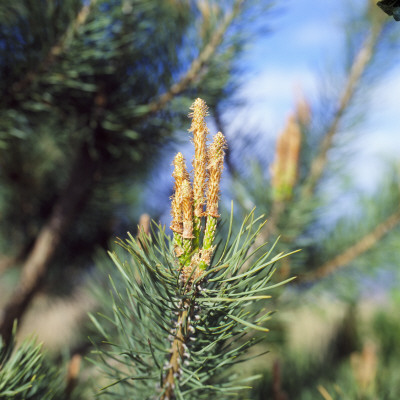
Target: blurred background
[95,97]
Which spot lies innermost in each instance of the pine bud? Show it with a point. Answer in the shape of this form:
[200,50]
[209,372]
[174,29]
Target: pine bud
[200,131]
[187,209]
[284,169]
[216,162]
[180,174]
[176,212]
[180,171]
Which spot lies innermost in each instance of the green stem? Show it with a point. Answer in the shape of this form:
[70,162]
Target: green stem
[209,236]
[187,251]
[196,232]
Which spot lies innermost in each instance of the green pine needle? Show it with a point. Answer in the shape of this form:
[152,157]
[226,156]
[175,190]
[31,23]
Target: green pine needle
[223,304]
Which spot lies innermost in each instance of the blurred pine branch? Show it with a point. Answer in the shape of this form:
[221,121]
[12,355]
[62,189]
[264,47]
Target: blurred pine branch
[25,373]
[98,87]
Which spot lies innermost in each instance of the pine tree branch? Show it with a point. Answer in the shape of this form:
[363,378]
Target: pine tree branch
[56,50]
[358,67]
[206,307]
[363,245]
[82,177]
[318,165]
[198,64]
[49,239]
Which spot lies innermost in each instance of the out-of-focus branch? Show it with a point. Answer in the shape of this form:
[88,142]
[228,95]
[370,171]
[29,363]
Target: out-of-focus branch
[324,393]
[56,49]
[354,251]
[285,168]
[73,198]
[74,367]
[82,178]
[197,65]
[144,224]
[278,392]
[359,65]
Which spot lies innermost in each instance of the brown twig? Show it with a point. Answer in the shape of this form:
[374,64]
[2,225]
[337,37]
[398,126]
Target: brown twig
[197,65]
[177,353]
[351,253]
[278,393]
[358,67]
[74,366]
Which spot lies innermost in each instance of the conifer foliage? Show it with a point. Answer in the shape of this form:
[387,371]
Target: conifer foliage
[185,310]
[25,374]
[91,91]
